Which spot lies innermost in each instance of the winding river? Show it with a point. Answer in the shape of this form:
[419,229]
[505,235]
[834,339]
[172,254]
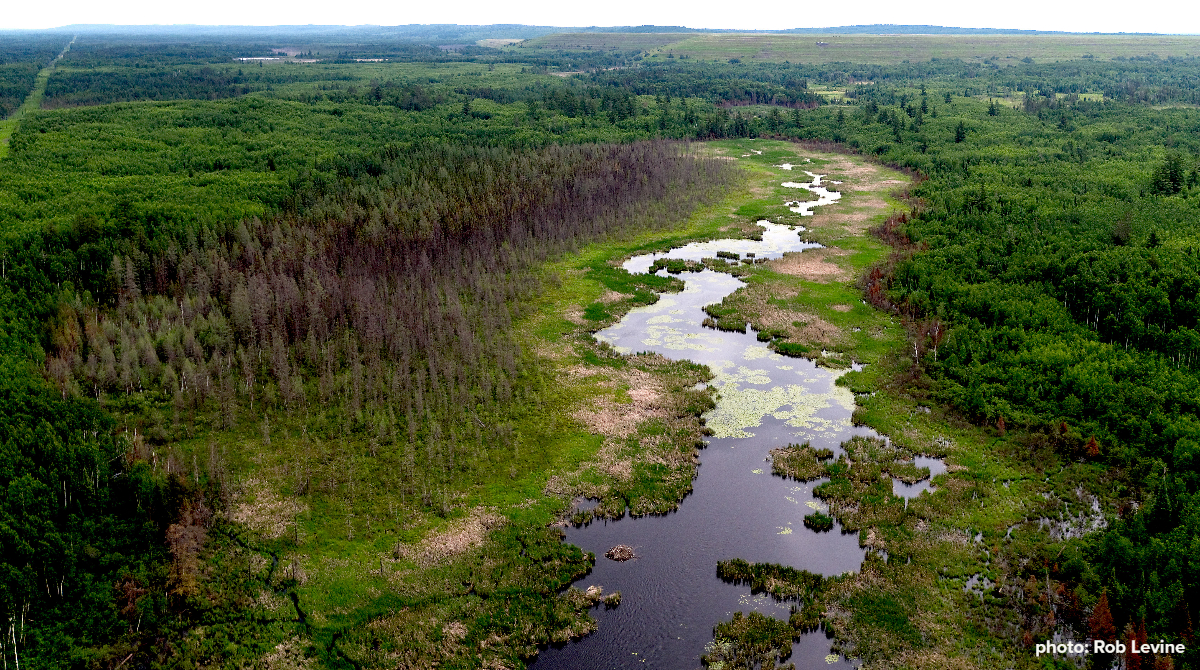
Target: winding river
[670,595]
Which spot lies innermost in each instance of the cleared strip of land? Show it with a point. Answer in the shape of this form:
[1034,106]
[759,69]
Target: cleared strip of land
[32,101]
[881,49]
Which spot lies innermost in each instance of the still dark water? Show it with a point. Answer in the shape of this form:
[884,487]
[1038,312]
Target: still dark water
[670,595]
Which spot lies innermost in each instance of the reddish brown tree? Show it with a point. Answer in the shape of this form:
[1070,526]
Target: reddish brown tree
[1130,637]
[1100,624]
[185,540]
[1141,639]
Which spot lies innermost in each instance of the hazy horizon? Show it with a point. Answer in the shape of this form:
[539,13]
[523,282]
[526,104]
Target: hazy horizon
[857,28]
[1074,17]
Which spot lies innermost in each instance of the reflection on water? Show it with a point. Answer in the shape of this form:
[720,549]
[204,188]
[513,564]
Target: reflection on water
[776,240]
[824,196]
[936,467]
[670,595]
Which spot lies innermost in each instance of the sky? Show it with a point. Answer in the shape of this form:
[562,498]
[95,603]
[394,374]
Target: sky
[1168,16]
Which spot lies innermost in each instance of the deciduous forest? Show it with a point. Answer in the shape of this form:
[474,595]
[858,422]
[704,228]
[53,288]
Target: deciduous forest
[332,265]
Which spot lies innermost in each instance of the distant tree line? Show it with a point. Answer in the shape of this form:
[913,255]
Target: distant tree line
[70,88]
[148,53]
[16,81]
[720,83]
[413,97]
[36,48]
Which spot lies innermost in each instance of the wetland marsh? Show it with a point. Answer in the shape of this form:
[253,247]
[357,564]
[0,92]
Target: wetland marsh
[671,595]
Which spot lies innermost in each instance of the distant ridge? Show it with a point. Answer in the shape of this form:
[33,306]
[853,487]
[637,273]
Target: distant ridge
[456,32]
[895,29]
[873,29]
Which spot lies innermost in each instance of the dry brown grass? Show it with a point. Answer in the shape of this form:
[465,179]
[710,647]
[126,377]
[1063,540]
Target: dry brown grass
[455,630]
[619,404]
[812,265]
[575,316]
[616,420]
[955,538]
[287,655]
[863,183]
[609,296]
[462,535]
[756,300]
[606,416]
[262,510]
[931,659]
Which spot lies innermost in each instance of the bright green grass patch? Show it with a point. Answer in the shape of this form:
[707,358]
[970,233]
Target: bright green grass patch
[6,130]
[887,613]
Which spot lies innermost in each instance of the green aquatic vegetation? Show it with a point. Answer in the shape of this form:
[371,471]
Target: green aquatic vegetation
[875,449]
[721,265]
[596,312]
[859,490]
[739,409]
[818,522]
[675,266]
[723,319]
[908,473]
[749,641]
[798,461]
[887,613]
[725,325]
[780,581]
[755,638]
[793,349]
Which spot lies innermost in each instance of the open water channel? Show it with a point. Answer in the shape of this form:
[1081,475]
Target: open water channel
[670,595]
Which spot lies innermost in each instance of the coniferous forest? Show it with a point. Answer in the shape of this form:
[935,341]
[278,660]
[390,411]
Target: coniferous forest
[265,317]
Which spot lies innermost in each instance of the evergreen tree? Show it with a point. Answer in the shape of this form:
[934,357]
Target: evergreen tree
[1170,175]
